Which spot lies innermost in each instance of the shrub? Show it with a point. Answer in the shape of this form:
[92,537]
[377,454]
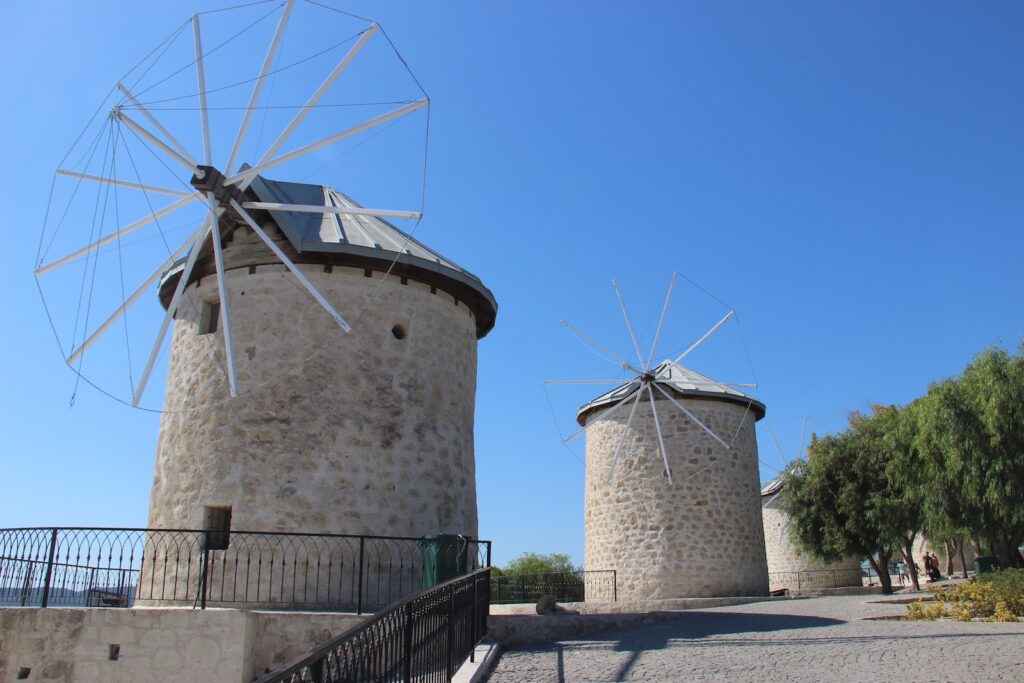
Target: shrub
[998,596]
[961,612]
[923,611]
[1007,586]
[1002,613]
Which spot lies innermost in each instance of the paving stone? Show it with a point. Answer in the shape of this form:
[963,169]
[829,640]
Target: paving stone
[815,639]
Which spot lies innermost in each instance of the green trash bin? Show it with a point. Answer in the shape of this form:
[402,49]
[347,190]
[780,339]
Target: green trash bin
[445,557]
[984,565]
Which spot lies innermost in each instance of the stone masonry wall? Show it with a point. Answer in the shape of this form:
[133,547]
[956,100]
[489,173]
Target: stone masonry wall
[701,537]
[174,645]
[359,433]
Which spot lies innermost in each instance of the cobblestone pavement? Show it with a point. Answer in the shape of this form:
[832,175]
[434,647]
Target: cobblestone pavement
[815,639]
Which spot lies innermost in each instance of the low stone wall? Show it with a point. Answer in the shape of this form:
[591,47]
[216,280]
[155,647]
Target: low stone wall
[283,637]
[519,624]
[842,590]
[115,645]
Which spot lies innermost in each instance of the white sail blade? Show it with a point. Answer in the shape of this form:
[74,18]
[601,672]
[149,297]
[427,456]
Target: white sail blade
[258,88]
[152,119]
[629,325]
[603,349]
[308,107]
[707,334]
[379,120]
[122,183]
[187,162]
[204,114]
[162,268]
[141,223]
[661,321]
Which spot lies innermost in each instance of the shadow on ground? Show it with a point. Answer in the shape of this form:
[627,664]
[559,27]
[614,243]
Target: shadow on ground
[695,625]
[686,626]
[632,641]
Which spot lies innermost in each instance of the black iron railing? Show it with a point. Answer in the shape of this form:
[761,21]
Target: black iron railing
[815,578]
[576,586]
[869,571]
[425,637]
[188,567]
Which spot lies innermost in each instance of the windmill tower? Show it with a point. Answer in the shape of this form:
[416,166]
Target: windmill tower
[672,480]
[369,434]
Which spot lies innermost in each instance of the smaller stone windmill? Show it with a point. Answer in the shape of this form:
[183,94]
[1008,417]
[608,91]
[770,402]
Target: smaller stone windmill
[695,534]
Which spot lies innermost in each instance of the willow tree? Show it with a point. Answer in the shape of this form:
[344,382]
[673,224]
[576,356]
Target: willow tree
[949,515]
[971,440]
[890,433]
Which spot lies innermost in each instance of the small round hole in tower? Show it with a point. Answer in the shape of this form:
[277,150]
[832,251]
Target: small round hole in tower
[398,332]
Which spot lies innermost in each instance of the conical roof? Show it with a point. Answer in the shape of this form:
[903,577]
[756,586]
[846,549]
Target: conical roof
[678,380]
[351,234]
[772,487]
[361,241]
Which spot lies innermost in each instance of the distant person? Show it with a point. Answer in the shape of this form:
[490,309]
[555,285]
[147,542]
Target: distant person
[901,571]
[928,566]
[936,574]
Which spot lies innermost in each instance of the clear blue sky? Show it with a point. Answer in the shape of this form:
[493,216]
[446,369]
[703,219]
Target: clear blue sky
[847,176]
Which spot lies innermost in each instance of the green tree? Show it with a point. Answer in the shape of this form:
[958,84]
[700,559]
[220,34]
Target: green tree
[890,433]
[971,443]
[531,575]
[533,563]
[938,471]
[849,498]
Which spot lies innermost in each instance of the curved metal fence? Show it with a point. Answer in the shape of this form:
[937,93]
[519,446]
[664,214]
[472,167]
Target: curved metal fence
[109,567]
[425,637]
[579,586]
[813,579]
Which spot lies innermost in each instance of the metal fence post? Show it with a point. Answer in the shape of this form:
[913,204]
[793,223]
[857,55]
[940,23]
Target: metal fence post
[49,568]
[615,585]
[451,628]
[26,587]
[407,654]
[476,610]
[205,560]
[488,553]
[359,595]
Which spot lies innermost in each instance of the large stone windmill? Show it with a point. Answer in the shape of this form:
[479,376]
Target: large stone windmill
[322,367]
[365,433]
